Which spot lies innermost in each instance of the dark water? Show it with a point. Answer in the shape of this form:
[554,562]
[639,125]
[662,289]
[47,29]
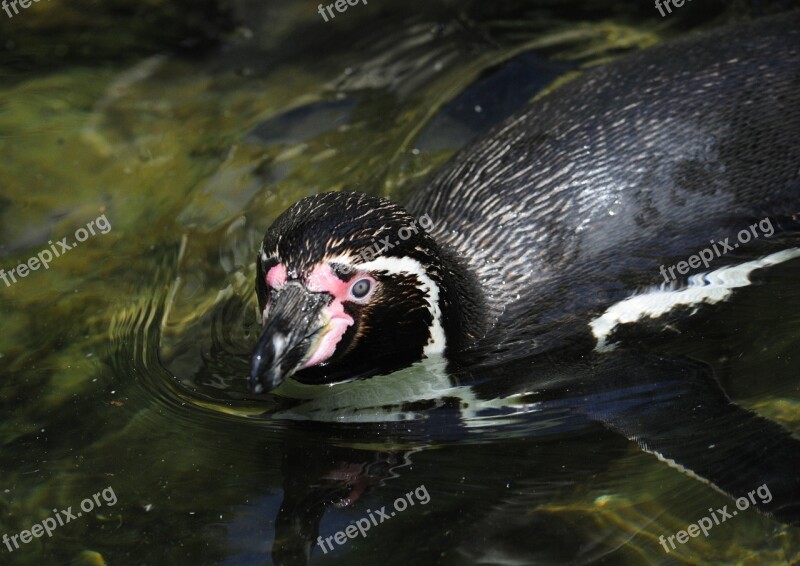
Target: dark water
[189,128]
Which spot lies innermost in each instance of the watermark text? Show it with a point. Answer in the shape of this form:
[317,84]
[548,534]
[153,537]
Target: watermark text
[46,256]
[364,524]
[705,524]
[676,3]
[720,248]
[340,5]
[60,518]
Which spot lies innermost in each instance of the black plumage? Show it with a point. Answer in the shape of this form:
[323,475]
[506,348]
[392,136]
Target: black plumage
[546,240]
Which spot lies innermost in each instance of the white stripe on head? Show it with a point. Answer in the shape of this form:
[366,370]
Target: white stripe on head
[408,266]
[710,288]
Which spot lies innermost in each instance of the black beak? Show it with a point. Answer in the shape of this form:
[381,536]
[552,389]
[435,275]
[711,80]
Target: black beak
[294,319]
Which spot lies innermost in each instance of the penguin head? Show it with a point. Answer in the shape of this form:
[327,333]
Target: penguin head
[348,285]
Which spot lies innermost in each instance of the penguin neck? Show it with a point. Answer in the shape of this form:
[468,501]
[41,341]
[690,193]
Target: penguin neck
[462,302]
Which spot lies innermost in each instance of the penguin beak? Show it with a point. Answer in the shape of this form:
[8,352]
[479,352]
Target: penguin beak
[294,320]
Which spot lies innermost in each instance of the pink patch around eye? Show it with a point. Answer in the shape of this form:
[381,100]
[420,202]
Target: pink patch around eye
[276,276]
[323,280]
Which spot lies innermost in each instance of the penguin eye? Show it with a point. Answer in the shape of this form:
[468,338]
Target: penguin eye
[360,288]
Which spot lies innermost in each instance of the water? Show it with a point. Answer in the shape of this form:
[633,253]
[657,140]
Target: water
[123,364]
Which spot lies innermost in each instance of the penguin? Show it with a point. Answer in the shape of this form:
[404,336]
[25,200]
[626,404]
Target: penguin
[548,239]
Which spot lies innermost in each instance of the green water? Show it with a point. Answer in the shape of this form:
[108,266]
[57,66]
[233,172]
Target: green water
[123,364]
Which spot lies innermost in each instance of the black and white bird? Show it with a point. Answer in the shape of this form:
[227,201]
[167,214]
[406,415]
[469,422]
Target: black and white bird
[552,234]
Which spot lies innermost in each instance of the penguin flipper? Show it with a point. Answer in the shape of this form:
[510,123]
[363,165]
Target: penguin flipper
[674,408]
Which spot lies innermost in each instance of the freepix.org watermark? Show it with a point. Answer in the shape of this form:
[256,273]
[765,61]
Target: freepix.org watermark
[705,524]
[385,244]
[676,3]
[722,247]
[363,525]
[99,225]
[60,518]
[7,6]
[340,5]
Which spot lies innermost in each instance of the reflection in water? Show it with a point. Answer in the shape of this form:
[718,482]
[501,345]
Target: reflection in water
[329,486]
[315,480]
[559,448]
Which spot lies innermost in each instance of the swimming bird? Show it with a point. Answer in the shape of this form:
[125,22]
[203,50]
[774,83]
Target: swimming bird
[550,234]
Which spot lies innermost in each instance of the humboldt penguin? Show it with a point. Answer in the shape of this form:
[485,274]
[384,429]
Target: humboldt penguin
[550,236]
